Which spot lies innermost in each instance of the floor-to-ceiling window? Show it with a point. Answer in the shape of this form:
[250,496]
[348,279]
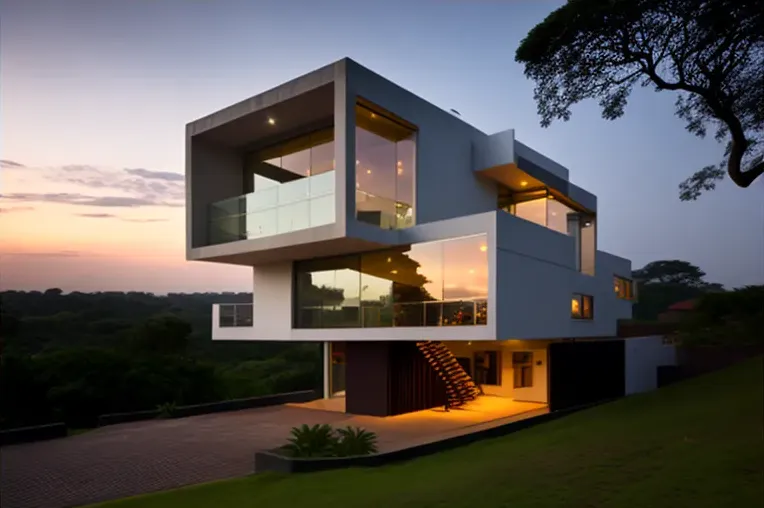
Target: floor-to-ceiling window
[385,169]
[442,283]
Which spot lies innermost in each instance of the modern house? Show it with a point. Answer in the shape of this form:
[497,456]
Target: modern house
[433,261]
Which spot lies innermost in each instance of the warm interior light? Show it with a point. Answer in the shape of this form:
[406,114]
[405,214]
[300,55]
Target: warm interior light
[393,271]
[575,307]
[483,248]
[368,171]
[272,121]
[472,270]
[400,171]
[523,183]
[373,115]
[357,162]
[550,196]
[389,260]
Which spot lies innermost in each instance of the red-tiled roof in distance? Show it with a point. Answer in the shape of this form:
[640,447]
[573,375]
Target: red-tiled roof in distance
[684,305]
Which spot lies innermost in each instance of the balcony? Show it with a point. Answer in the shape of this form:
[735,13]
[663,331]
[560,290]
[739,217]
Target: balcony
[292,206]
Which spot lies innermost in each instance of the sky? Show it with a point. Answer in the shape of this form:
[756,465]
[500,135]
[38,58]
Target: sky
[95,95]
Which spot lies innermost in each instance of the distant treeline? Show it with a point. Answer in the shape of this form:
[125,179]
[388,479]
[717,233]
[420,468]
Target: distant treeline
[72,357]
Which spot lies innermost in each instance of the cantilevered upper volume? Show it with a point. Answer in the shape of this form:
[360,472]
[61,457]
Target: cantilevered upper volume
[360,205]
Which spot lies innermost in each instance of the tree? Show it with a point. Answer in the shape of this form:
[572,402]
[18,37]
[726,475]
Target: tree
[709,51]
[663,283]
[163,334]
[671,271]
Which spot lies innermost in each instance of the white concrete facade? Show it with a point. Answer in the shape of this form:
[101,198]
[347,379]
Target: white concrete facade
[533,270]
[643,356]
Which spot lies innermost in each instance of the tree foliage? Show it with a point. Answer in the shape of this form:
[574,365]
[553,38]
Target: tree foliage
[72,357]
[672,271]
[711,52]
[734,318]
[663,283]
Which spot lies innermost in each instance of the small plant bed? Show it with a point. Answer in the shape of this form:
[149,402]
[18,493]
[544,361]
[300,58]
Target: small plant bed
[323,441]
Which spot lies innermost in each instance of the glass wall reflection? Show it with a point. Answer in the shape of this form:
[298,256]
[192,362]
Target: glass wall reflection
[385,170]
[440,283]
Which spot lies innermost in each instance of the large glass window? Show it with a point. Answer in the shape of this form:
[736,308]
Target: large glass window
[385,170]
[292,188]
[540,206]
[440,283]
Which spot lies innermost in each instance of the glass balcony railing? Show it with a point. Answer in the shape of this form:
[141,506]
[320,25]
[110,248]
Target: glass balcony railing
[234,315]
[383,212]
[292,206]
[409,314]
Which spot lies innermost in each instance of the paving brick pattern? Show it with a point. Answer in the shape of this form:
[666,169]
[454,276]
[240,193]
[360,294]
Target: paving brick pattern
[136,458]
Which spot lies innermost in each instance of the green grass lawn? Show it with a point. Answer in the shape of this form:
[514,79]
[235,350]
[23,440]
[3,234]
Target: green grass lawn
[695,444]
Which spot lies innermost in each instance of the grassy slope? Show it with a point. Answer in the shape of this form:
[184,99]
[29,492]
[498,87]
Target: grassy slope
[697,443]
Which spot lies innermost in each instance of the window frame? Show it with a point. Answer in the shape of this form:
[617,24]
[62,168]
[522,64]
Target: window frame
[497,365]
[582,313]
[519,367]
[623,285]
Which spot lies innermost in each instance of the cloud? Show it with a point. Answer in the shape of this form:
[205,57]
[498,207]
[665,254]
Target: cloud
[107,187]
[54,254]
[5,163]
[17,209]
[112,216]
[158,175]
[145,220]
[88,200]
[97,215]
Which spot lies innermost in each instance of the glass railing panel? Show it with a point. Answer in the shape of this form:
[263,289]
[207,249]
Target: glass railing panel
[295,191]
[262,223]
[321,185]
[262,199]
[322,210]
[292,206]
[294,216]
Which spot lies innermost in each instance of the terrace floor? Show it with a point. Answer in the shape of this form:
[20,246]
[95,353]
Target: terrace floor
[136,458]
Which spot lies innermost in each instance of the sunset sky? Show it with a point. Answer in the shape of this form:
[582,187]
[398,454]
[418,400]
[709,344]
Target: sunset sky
[95,96]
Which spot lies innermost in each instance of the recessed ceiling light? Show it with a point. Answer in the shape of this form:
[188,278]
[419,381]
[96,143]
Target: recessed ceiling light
[272,121]
[523,183]
[393,271]
[368,171]
[483,248]
[472,270]
[373,115]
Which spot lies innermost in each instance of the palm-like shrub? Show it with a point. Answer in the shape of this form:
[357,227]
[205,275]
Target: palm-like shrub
[324,441]
[354,441]
[166,410]
[315,441]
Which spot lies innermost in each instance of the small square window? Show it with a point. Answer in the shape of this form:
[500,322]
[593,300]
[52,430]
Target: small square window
[624,288]
[582,307]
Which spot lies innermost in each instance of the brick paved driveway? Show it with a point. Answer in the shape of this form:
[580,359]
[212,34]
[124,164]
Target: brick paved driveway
[135,458]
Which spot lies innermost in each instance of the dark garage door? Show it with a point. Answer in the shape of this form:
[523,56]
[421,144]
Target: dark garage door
[585,372]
